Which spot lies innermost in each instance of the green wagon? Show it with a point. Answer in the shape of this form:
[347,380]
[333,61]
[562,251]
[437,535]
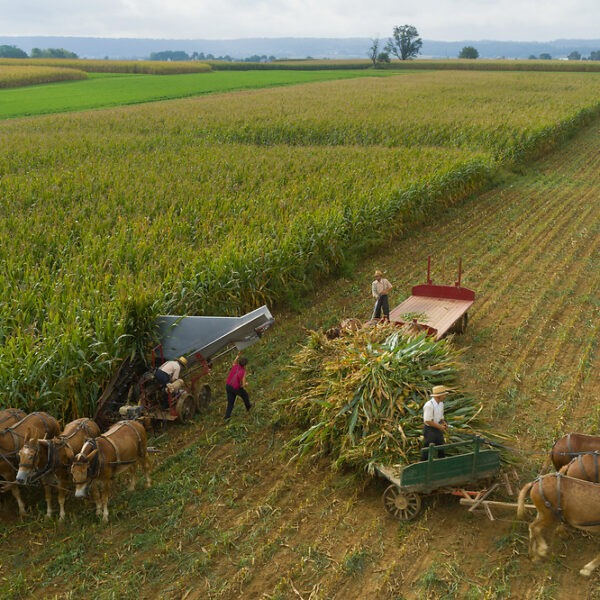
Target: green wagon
[402,499]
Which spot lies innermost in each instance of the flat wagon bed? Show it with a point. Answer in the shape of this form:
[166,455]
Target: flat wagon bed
[439,309]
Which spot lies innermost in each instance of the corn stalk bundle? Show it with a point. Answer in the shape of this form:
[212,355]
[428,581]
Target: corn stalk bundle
[360,396]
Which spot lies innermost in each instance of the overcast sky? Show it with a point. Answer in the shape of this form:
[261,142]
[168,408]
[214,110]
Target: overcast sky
[442,20]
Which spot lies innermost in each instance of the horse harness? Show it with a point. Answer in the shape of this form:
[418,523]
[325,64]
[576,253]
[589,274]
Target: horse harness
[558,510]
[582,466]
[7,456]
[97,464]
[52,462]
[11,412]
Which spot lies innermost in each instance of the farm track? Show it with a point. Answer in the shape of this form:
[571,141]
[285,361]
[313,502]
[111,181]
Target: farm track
[270,530]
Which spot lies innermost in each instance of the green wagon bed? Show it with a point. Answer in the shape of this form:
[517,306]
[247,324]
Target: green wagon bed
[402,499]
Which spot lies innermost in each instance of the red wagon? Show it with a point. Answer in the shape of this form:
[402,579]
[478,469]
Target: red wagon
[439,309]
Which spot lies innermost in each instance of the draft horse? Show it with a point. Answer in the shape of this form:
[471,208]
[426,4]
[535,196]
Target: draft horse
[36,424]
[572,445]
[49,460]
[10,416]
[584,466]
[560,499]
[119,450]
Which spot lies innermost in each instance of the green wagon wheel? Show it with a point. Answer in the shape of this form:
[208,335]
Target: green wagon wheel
[403,506]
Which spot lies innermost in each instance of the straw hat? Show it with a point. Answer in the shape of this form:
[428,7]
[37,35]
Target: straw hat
[438,390]
[183,360]
[378,273]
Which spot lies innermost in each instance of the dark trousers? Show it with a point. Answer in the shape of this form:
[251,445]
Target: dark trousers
[382,305]
[432,436]
[232,394]
[163,378]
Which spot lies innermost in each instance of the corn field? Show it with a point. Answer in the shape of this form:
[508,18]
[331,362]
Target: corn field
[17,76]
[149,67]
[217,204]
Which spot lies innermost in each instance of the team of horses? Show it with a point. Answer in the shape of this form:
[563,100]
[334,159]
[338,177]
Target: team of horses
[569,496]
[34,449]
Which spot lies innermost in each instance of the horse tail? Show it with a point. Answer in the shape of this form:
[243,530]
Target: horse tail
[521,503]
[548,461]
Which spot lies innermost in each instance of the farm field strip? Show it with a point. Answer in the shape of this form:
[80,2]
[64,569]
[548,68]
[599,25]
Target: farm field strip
[103,92]
[526,249]
[15,76]
[215,184]
[540,315]
[419,560]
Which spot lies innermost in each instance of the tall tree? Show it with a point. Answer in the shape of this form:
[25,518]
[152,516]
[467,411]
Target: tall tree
[374,51]
[468,52]
[405,42]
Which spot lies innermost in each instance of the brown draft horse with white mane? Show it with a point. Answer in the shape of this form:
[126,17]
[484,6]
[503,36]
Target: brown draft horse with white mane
[102,458]
[38,424]
[10,416]
[560,499]
[571,445]
[49,460]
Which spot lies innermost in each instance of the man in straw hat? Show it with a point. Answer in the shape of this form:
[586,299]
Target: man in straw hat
[380,288]
[433,420]
[169,372]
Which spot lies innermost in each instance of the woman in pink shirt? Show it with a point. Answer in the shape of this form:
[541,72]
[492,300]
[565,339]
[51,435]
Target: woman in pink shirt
[236,380]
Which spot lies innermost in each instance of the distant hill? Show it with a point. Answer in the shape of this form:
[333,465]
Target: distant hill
[141,48]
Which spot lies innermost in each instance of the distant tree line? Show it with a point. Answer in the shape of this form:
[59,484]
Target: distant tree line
[14,52]
[594,55]
[180,55]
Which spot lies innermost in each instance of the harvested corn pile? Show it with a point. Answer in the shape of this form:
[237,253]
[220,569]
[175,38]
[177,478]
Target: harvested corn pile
[361,395]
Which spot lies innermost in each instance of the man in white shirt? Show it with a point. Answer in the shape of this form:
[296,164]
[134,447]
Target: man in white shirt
[434,424]
[380,288]
[169,372]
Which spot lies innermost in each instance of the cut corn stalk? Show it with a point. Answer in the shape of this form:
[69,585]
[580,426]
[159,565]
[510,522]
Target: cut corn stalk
[361,396]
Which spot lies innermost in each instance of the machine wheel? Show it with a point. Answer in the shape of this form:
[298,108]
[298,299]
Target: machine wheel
[185,408]
[203,397]
[404,507]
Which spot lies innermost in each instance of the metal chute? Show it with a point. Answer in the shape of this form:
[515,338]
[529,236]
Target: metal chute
[206,336]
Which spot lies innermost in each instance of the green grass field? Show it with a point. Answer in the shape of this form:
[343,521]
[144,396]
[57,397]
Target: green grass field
[108,90]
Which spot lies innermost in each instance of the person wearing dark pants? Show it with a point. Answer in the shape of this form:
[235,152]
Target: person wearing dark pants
[380,288]
[235,386]
[434,424]
[167,373]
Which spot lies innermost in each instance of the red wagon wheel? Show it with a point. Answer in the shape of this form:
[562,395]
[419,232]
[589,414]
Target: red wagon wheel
[403,506]
[185,407]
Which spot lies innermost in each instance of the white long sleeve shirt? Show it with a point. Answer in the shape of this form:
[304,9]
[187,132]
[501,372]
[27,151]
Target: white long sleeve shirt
[383,286]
